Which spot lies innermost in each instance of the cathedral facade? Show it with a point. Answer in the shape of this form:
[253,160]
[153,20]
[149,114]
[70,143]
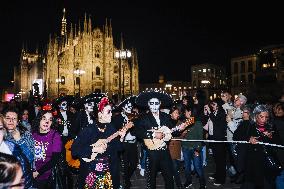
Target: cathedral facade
[80,61]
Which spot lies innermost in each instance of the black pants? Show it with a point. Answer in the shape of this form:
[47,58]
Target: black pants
[219,154]
[130,161]
[159,160]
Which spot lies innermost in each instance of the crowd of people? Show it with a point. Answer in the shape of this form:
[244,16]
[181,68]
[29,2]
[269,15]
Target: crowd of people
[92,143]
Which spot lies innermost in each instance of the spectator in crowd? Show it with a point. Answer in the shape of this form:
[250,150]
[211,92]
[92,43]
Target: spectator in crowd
[48,148]
[25,119]
[10,172]
[257,173]
[216,126]
[11,148]
[19,134]
[278,124]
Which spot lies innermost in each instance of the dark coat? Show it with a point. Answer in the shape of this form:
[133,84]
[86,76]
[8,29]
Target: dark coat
[256,171]
[80,121]
[219,125]
[70,120]
[81,149]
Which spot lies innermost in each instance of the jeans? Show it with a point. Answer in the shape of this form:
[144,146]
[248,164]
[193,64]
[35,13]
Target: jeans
[189,157]
[143,159]
[280,180]
[176,167]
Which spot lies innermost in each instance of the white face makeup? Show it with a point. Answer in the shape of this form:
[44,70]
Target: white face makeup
[154,105]
[89,107]
[63,106]
[105,114]
[128,107]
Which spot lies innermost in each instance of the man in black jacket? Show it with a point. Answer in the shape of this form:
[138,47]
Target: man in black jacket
[156,141]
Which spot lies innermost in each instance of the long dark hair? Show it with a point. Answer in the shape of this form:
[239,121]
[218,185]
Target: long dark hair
[9,165]
[36,122]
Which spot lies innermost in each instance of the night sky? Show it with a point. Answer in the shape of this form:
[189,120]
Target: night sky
[168,37]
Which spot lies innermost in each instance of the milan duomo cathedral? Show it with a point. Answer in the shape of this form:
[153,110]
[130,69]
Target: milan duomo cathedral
[78,62]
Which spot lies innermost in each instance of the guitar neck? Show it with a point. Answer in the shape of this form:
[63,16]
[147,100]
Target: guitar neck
[113,136]
[188,122]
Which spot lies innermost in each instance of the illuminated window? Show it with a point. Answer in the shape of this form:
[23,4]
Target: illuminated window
[204,70]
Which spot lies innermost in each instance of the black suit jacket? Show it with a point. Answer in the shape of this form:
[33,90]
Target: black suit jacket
[70,117]
[148,122]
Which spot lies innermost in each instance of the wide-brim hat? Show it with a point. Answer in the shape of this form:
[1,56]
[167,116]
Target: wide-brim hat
[68,98]
[128,100]
[93,97]
[143,98]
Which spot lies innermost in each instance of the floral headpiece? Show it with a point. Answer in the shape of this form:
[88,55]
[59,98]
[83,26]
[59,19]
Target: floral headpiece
[104,101]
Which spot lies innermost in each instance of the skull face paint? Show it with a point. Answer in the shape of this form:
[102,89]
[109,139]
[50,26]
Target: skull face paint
[154,105]
[89,107]
[63,106]
[128,107]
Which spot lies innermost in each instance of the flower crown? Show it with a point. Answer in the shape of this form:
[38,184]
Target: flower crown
[104,101]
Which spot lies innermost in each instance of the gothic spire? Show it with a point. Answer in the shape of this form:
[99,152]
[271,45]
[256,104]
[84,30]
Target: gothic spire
[85,24]
[90,24]
[121,42]
[63,24]
[106,29]
[110,28]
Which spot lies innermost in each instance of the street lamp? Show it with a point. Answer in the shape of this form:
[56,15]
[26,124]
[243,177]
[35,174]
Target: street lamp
[59,81]
[123,55]
[78,73]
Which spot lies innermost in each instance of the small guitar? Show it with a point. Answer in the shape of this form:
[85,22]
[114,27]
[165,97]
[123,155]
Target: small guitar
[156,144]
[107,140]
[75,163]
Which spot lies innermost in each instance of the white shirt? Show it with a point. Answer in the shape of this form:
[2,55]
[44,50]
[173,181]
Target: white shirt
[4,148]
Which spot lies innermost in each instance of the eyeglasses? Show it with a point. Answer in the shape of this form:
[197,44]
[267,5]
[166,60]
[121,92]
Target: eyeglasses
[246,112]
[11,119]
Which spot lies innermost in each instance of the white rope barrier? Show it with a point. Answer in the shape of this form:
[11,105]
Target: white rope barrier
[219,141]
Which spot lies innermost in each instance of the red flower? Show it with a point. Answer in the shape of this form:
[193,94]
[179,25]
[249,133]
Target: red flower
[103,103]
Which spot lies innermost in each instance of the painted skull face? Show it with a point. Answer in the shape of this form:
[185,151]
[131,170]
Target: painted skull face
[89,107]
[105,115]
[154,105]
[63,106]
[128,107]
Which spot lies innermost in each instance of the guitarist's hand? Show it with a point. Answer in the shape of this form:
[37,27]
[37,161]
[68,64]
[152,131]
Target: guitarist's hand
[182,126]
[100,149]
[99,143]
[159,135]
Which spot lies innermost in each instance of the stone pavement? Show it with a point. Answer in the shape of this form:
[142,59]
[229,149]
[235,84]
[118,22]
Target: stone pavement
[139,182]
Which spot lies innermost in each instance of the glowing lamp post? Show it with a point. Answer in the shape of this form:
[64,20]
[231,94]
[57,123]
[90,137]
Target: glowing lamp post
[123,55]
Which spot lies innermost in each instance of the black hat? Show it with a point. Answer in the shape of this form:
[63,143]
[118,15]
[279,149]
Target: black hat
[68,98]
[128,100]
[143,98]
[93,97]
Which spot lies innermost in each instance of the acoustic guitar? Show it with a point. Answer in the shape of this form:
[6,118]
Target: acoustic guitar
[156,144]
[107,140]
[75,163]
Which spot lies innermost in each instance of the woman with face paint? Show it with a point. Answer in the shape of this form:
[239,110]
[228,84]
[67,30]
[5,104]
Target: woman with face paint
[98,154]
[48,147]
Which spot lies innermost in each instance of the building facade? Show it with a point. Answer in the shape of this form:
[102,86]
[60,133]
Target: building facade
[243,70]
[210,78]
[80,61]
[260,76]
